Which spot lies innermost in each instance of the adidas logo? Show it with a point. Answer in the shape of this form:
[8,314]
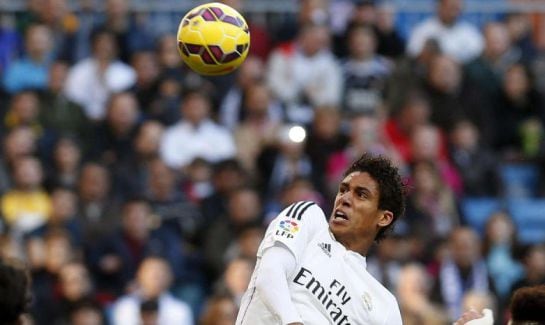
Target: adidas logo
[326,248]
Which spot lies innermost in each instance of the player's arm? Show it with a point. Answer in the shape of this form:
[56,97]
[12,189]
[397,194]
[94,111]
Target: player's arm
[281,250]
[277,263]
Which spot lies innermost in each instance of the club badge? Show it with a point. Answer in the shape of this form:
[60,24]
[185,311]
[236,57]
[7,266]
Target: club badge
[367,301]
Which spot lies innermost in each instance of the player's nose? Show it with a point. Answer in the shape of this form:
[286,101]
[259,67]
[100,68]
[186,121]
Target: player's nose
[346,198]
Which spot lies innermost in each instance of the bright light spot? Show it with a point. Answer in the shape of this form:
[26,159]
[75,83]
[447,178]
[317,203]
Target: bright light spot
[297,134]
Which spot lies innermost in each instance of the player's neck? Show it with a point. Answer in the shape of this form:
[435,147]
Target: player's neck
[360,249]
[360,246]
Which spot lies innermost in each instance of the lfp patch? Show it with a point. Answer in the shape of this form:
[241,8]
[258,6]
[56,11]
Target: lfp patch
[289,226]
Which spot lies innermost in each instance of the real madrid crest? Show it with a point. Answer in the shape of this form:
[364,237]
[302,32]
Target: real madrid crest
[367,301]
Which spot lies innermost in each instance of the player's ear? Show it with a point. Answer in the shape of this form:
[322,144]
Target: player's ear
[386,218]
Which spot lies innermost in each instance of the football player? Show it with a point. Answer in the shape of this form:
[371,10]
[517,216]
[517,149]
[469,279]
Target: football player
[311,271]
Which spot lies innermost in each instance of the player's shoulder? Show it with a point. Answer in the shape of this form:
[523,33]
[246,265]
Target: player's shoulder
[386,295]
[303,211]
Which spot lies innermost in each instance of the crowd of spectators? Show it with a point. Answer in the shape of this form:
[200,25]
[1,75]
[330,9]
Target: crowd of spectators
[138,191]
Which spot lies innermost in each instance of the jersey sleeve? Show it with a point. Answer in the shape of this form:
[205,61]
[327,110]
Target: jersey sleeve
[294,227]
[394,316]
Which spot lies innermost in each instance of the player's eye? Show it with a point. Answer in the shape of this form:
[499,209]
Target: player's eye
[361,194]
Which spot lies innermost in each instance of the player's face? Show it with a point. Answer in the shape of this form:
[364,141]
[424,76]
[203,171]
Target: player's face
[356,218]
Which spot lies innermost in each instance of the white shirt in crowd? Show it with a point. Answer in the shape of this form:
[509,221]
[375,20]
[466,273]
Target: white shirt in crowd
[461,41]
[183,142]
[126,311]
[90,88]
[292,76]
[329,284]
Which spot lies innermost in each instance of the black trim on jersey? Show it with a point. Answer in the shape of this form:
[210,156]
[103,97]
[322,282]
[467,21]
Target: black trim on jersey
[291,209]
[304,209]
[248,306]
[296,210]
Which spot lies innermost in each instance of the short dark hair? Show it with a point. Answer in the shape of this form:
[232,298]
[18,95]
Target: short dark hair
[135,199]
[15,297]
[99,32]
[354,28]
[391,187]
[197,92]
[229,164]
[527,306]
[85,304]
[361,3]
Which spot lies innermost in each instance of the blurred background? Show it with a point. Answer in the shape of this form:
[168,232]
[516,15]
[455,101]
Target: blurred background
[138,192]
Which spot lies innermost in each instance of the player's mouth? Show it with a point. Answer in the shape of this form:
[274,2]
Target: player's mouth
[340,216]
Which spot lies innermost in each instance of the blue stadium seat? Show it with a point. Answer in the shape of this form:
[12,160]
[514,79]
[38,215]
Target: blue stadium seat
[519,180]
[476,211]
[529,216]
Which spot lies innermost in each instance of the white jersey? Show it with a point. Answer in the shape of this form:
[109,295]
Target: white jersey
[330,284]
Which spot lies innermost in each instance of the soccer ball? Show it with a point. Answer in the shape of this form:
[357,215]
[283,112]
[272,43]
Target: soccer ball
[213,39]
